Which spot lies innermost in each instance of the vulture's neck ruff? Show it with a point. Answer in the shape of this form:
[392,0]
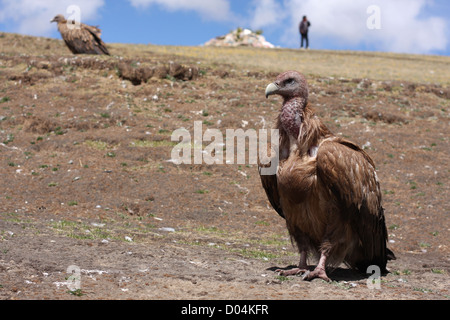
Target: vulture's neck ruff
[291,115]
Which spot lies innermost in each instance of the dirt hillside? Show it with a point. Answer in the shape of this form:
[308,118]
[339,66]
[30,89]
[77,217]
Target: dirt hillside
[88,192]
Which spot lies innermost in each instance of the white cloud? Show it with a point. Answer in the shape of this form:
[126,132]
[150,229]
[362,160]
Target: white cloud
[33,17]
[217,10]
[266,13]
[404,28]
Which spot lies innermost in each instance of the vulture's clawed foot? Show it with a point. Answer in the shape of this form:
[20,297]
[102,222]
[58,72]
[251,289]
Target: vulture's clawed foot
[317,273]
[291,272]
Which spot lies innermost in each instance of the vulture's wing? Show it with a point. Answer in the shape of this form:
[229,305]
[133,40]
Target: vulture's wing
[94,30]
[84,39]
[349,174]
[96,42]
[270,185]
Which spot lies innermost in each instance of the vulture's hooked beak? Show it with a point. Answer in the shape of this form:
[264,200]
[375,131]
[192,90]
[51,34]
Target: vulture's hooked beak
[271,89]
[53,20]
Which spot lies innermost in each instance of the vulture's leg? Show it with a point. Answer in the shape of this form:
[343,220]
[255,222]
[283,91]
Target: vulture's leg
[319,271]
[302,266]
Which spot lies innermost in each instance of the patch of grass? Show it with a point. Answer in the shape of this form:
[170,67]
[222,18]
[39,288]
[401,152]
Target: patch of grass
[164,132]
[72,203]
[202,191]
[437,271]
[152,144]
[97,144]
[9,138]
[58,131]
[283,278]
[423,290]
[5,99]
[402,272]
[424,244]
[81,231]
[77,292]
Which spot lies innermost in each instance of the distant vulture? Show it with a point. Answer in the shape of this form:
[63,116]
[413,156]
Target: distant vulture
[325,187]
[80,38]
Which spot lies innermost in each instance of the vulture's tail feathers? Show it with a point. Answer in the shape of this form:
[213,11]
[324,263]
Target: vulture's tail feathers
[390,255]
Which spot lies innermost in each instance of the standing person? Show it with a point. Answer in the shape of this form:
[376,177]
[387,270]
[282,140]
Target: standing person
[303,28]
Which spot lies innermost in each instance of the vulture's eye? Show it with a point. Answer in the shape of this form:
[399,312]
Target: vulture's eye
[289,82]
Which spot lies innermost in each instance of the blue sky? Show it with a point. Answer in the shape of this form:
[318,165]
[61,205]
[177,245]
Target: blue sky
[407,26]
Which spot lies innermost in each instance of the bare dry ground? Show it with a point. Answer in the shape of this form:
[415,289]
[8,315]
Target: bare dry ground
[86,182]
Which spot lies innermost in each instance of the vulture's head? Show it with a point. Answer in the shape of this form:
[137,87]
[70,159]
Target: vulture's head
[289,84]
[58,18]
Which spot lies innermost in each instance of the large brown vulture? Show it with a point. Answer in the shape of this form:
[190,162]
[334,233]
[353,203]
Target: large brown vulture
[80,38]
[325,187]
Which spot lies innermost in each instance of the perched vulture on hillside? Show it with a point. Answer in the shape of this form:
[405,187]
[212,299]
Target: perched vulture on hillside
[325,187]
[80,38]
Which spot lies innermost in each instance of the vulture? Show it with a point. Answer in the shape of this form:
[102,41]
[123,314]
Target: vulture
[81,39]
[325,187]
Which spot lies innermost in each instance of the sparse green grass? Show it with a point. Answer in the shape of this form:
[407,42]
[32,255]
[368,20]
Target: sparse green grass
[283,278]
[402,272]
[81,231]
[424,244]
[152,144]
[77,292]
[423,290]
[438,271]
[98,145]
[265,248]
[4,99]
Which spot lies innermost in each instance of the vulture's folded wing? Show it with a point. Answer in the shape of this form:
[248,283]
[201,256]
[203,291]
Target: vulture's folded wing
[96,43]
[83,39]
[270,185]
[349,174]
